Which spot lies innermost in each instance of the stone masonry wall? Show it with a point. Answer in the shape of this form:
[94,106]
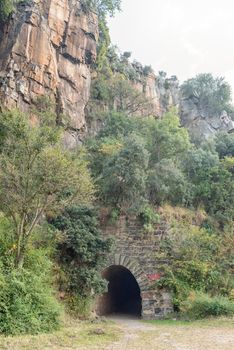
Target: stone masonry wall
[135,249]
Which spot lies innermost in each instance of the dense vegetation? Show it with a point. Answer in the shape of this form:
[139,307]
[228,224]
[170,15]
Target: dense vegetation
[37,174]
[143,164]
[27,298]
[40,179]
[80,255]
[138,162]
[199,259]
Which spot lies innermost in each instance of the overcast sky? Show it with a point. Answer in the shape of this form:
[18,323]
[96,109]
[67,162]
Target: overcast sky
[181,37]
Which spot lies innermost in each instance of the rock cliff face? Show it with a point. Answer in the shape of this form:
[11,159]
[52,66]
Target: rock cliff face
[200,123]
[47,48]
[165,93]
[161,92]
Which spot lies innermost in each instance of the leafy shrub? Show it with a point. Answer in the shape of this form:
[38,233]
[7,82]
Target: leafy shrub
[114,215]
[201,305]
[81,252]
[27,304]
[197,259]
[80,306]
[149,218]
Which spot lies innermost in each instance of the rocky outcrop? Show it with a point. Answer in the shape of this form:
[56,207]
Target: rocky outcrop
[162,92]
[200,123]
[165,93]
[46,49]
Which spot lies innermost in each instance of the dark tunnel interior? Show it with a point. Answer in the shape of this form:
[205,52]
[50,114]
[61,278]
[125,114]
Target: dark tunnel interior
[123,296]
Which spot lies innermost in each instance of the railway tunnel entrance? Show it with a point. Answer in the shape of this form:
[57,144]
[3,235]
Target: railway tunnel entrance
[123,295]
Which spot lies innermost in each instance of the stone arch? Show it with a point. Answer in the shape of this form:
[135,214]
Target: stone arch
[123,295]
[127,283]
[134,267]
[135,250]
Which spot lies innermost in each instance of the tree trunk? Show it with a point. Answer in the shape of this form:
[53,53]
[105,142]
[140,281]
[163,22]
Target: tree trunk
[19,260]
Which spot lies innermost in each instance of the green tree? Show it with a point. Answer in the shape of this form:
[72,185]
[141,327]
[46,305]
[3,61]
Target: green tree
[165,143]
[118,94]
[213,182]
[224,144]
[124,98]
[198,162]
[100,152]
[209,93]
[167,139]
[36,175]
[123,177]
[167,183]
[103,7]
[81,251]
[117,126]
[216,192]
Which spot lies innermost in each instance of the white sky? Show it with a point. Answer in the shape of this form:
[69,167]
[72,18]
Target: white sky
[181,37]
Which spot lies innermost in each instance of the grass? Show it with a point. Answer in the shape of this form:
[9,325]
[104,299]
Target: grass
[209,322]
[75,335]
[209,334]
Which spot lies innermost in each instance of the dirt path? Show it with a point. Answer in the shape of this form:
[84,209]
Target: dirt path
[145,336]
[129,334]
[132,330]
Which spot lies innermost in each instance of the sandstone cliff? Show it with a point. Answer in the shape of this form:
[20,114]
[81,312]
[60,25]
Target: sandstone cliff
[47,48]
[165,93]
[162,93]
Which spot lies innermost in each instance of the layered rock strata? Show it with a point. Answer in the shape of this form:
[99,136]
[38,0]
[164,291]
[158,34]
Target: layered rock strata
[46,49]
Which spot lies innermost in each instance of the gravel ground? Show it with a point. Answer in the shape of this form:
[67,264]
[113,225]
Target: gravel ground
[139,335]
